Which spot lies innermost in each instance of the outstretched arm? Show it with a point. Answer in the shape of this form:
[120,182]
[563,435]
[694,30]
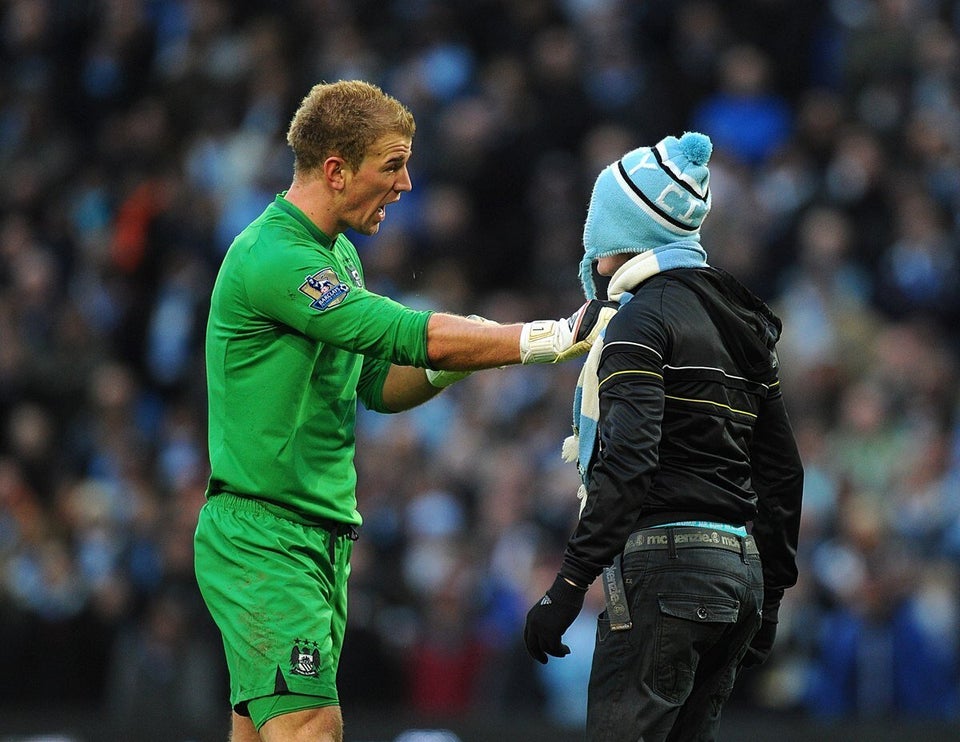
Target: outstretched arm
[448,339]
[463,344]
[458,345]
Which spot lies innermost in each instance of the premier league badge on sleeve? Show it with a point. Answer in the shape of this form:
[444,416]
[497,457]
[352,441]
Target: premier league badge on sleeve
[325,289]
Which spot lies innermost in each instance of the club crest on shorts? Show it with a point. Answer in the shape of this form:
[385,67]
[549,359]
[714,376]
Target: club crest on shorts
[325,289]
[303,661]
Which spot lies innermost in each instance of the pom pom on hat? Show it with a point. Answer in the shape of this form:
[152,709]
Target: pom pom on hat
[696,147]
[652,197]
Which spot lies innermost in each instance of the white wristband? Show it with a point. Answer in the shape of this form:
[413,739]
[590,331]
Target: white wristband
[543,340]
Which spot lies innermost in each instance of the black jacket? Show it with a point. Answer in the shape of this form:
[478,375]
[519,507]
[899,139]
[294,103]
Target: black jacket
[692,425]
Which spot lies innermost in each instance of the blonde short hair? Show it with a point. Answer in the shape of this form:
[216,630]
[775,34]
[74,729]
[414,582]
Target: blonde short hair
[344,118]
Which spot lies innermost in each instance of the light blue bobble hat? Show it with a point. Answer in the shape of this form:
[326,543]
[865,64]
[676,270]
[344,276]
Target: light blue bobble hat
[652,198]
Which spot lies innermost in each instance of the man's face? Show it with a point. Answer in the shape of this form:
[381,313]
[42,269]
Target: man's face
[379,181]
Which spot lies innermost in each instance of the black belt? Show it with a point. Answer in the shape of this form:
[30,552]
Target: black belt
[689,537]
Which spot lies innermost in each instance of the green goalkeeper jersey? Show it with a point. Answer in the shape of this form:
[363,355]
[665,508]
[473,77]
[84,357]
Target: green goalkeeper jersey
[293,339]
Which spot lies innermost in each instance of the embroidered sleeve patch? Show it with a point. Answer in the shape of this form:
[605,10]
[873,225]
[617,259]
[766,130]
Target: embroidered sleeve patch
[325,289]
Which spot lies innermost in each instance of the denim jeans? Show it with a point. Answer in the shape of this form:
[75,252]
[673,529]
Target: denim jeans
[667,677]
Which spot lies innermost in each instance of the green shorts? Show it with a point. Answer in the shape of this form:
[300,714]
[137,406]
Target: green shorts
[277,596]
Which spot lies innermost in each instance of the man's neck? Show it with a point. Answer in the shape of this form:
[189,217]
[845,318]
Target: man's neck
[310,197]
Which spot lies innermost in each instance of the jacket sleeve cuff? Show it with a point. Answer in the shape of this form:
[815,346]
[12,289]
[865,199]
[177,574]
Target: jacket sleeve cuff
[579,576]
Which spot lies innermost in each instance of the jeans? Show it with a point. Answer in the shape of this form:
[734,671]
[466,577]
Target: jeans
[667,678]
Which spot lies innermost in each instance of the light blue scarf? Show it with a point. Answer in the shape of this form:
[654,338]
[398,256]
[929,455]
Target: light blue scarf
[580,446]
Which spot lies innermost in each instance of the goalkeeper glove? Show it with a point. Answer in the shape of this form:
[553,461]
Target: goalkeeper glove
[550,341]
[443,379]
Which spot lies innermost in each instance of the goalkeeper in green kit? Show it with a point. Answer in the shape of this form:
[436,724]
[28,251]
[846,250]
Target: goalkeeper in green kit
[294,339]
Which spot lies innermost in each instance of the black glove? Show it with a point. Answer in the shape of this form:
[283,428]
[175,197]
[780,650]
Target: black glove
[760,645]
[550,617]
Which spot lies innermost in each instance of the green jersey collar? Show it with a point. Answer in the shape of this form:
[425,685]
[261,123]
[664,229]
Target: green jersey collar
[281,203]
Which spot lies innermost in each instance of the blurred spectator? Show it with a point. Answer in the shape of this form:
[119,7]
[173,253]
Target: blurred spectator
[920,270]
[746,117]
[888,644]
[164,681]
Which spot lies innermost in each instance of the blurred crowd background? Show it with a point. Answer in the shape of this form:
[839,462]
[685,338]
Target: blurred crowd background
[137,137]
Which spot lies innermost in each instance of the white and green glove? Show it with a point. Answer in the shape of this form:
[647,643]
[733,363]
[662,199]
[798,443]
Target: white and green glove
[555,340]
[443,379]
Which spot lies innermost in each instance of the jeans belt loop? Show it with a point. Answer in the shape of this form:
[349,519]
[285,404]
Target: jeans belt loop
[671,544]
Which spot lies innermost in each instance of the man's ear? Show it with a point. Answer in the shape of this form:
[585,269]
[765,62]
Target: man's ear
[333,171]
